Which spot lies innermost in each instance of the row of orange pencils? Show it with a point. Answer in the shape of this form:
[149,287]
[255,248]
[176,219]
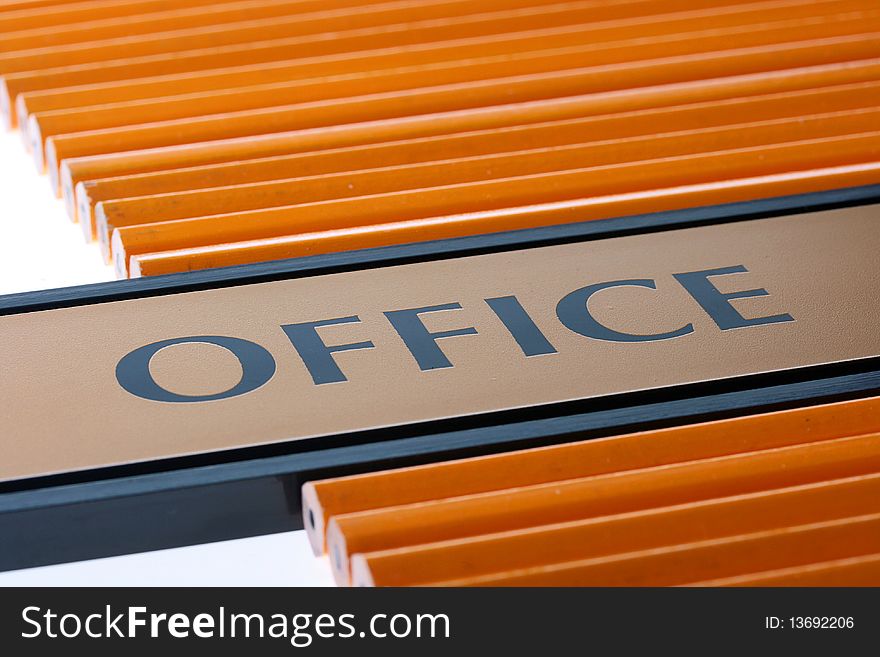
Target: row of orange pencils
[789,498]
[191,134]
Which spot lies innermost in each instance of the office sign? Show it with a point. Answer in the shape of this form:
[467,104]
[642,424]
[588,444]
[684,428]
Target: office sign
[204,371]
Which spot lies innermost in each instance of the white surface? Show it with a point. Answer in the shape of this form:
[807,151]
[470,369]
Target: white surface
[41,248]
[274,560]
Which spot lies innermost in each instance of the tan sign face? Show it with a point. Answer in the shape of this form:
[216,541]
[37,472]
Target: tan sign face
[137,380]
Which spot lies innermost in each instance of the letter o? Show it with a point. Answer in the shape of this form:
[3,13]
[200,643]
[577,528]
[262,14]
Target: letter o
[133,371]
[394,619]
[77,623]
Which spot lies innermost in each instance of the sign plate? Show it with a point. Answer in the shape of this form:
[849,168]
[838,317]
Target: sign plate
[187,373]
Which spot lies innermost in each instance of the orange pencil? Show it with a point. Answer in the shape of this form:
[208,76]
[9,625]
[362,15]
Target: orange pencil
[599,495]
[657,200]
[321,24]
[17,5]
[484,142]
[169,19]
[17,16]
[275,203]
[74,171]
[550,56]
[684,564]
[462,95]
[641,530]
[344,45]
[286,70]
[155,208]
[855,571]
[482,196]
[376,490]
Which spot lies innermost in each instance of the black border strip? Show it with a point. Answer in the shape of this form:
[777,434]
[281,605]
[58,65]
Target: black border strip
[252,491]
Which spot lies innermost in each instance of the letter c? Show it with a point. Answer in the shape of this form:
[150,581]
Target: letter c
[133,371]
[573,312]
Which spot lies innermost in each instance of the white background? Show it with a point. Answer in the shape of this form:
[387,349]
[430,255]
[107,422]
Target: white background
[41,248]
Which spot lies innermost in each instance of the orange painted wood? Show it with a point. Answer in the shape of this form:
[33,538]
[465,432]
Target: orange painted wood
[286,70]
[539,546]
[482,142]
[598,495]
[683,564]
[656,200]
[376,490]
[593,48]
[233,221]
[855,571]
[236,200]
[76,170]
[505,194]
[168,20]
[186,220]
[17,5]
[320,49]
[463,95]
[19,16]
[320,26]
